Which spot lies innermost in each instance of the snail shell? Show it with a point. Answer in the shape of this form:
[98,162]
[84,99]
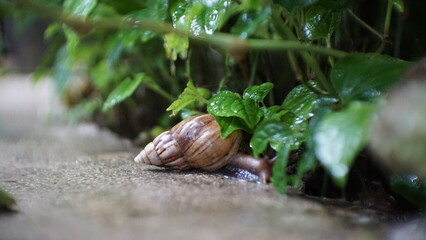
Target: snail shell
[193,143]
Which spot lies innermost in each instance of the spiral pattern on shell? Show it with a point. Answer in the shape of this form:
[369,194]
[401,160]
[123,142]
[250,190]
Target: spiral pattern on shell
[193,143]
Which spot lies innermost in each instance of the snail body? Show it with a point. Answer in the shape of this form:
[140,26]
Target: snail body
[194,143]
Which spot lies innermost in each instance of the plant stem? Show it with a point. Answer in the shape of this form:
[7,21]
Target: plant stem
[286,33]
[259,44]
[387,20]
[366,26]
[228,42]
[254,68]
[330,59]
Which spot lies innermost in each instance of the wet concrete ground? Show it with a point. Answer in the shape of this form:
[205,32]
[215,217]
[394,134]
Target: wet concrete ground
[80,182]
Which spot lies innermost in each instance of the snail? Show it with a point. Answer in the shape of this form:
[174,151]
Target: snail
[195,143]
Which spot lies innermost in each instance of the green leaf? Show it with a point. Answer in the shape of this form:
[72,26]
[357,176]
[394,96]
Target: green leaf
[6,200]
[411,188]
[197,17]
[321,22]
[230,124]
[301,101]
[189,95]
[214,14]
[364,76]
[156,11]
[258,92]
[279,175]
[398,5]
[72,44]
[150,83]
[175,46]
[271,132]
[247,5]
[80,8]
[229,104]
[292,5]
[339,136]
[124,90]
[305,164]
[249,22]
[51,31]
[61,69]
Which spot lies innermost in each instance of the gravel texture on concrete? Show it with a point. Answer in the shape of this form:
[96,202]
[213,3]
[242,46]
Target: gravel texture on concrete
[80,182]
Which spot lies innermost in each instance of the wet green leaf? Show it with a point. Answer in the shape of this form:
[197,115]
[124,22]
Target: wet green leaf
[271,132]
[197,17]
[258,92]
[124,90]
[189,95]
[279,174]
[229,104]
[398,5]
[155,10]
[274,112]
[292,5]
[229,124]
[301,101]
[364,76]
[103,11]
[306,163]
[248,22]
[411,188]
[321,22]
[339,136]
[80,8]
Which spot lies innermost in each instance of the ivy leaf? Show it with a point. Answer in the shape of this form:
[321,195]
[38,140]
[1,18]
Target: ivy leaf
[197,17]
[230,124]
[292,5]
[339,136]
[361,76]
[271,132]
[398,5]
[258,92]
[248,22]
[229,104]
[189,95]
[212,16]
[321,22]
[124,90]
[306,163]
[155,10]
[301,101]
[279,176]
